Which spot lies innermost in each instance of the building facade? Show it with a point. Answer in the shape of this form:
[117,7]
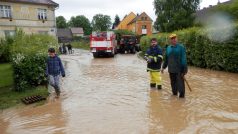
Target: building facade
[77,31]
[139,24]
[33,17]
[123,24]
[66,35]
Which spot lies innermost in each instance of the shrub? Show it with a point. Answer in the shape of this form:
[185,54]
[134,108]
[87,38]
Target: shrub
[228,8]
[31,44]
[81,44]
[5,49]
[28,54]
[119,33]
[29,70]
[78,39]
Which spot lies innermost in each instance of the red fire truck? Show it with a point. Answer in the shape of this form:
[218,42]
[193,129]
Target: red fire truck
[102,43]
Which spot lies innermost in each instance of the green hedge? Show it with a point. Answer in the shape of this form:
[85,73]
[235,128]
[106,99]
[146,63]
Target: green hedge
[119,33]
[201,50]
[231,9]
[29,70]
[79,39]
[5,49]
[32,44]
[81,45]
[28,57]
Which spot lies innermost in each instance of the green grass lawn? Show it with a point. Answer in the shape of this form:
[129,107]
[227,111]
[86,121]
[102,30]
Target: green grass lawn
[8,97]
[6,75]
[81,45]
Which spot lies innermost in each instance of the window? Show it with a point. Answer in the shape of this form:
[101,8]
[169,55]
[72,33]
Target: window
[145,18]
[9,33]
[142,18]
[42,14]
[134,29]
[5,11]
[143,26]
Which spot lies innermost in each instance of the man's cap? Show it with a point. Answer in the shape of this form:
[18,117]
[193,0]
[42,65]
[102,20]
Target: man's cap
[172,36]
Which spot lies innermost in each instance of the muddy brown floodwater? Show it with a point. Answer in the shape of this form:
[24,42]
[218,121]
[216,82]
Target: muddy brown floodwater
[112,96]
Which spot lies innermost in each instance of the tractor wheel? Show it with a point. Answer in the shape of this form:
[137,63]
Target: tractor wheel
[95,55]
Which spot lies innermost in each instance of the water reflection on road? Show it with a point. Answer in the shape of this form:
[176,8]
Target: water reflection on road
[112,95]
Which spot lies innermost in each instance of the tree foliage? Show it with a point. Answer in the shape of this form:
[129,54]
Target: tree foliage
[119,33]
[81,21]
[101,22]
[174,14]
[231,8]
[61,22]
[116,22]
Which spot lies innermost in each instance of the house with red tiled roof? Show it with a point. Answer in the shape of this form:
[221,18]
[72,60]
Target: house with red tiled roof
[139,24]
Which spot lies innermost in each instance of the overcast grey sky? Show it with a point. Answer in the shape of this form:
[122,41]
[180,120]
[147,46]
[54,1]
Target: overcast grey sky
[89,8]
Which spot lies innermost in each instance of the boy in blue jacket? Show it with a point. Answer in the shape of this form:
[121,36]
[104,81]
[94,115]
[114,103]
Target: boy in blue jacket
[154,58]
[54,68]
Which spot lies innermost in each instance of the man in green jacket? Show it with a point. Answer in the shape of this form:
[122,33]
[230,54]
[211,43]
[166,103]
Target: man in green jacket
[175,60]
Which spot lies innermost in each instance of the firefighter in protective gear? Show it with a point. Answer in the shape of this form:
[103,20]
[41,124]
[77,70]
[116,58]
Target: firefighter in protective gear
[154,58]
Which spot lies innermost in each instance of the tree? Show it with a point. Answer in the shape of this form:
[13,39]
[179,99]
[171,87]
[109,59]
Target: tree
[116,22]
[61,22]
[231,8]
[101,22]
[174,14]
[81,21]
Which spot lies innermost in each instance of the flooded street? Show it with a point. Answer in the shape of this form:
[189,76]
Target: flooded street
[112,96]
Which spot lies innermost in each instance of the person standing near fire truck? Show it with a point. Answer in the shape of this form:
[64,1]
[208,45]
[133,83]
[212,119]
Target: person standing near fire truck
[154,58]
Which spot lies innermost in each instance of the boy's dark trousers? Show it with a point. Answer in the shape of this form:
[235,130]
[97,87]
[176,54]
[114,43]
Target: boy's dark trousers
[177,84]
[54,82]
